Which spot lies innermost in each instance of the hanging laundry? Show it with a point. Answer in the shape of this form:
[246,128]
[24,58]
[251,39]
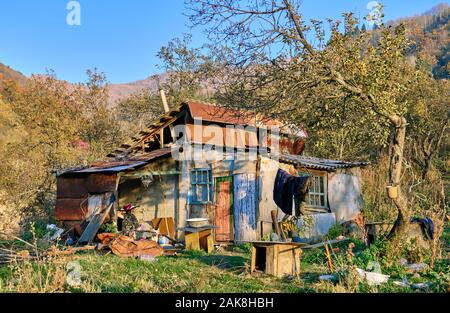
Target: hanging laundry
[426,224]
[287,188]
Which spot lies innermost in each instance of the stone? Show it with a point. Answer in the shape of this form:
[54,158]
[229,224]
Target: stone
[274,237]
[416,267]
[331,278]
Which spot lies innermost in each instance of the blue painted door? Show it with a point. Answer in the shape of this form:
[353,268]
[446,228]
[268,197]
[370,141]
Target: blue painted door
[245,207]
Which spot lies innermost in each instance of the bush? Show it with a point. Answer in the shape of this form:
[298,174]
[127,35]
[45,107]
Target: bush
[335,231]
[245,247]
[108,228]
[37,230]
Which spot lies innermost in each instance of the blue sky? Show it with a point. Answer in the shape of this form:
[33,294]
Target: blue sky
[122,37]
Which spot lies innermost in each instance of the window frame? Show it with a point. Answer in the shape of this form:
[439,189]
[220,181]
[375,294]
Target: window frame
[195,183]
[313,192]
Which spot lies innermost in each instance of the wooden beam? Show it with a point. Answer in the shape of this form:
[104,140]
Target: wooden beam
[152,173]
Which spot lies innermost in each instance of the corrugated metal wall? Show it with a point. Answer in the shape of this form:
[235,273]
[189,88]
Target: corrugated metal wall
[73,192]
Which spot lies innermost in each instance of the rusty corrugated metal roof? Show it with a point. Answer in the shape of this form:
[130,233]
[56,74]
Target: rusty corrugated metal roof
[150,155]
[210,113]
[120,164]
[319,163]
[218,114]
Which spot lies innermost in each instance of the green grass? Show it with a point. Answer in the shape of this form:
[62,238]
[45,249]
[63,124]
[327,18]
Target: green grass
[190,272]
[219,272]
[193,272]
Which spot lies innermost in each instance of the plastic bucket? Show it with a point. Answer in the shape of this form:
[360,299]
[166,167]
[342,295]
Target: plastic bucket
[392,191]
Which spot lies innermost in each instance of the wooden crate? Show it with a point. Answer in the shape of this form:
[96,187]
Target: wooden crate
[277,259]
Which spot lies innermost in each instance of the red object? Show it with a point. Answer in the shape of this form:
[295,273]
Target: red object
[71,209]
[299,146]
[128,208]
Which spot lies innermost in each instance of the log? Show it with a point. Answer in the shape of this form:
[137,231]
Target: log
[274,214]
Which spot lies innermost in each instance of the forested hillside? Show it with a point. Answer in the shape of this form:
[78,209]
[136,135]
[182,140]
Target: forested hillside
[430,35]
[7,73]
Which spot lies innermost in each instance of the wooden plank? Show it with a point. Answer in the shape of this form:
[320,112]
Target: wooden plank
[284,262]
[150,173]
[245,207]
[223,214]
[253,261]
[276,249]
[166,225]
[321,244]
[203,238]
[288,260]
[298,258]
[270,260]
[273,243]
[204,233]
[210,243]
[155,128]
[192,241]
[328,255]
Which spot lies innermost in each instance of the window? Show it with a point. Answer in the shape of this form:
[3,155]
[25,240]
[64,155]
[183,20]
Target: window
[317,196]
[201,186]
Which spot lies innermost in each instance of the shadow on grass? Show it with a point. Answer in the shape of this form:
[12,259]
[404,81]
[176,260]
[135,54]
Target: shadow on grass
[238,264]
[233,263]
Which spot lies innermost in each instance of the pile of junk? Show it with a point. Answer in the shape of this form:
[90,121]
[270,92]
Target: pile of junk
[144,241]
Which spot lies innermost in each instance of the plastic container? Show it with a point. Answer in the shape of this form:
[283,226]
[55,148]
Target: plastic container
[392,192]
[197,222]
[163,241]
[373,278]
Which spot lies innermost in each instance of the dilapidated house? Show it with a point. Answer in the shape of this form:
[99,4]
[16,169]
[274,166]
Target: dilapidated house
[201,160]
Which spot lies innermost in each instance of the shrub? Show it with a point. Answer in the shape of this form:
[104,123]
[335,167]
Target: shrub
[335,231]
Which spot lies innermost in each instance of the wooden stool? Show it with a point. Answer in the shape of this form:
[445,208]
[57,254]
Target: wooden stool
[199,238]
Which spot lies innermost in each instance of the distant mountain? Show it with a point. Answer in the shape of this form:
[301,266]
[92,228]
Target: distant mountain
[7,73]
[116,91]
[121,91]
[429,31]
[430,35]
[437,10]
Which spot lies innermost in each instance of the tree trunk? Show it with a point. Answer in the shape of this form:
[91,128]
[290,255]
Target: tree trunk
[427,167]
[395,172]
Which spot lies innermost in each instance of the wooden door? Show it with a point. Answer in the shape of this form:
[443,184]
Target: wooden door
[245,207]
[223,213]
